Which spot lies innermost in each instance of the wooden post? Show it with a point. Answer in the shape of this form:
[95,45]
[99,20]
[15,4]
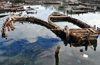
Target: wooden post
[56,55]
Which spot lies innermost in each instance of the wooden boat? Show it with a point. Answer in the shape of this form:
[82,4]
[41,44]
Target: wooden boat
[5,7]
[18,5]
[55,15]
[83,32]
[29,8]
[77,11]
[31,12]
[83,35]
[52,2]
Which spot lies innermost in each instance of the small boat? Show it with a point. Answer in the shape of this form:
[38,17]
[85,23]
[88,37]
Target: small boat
[52,2]
[55,15]
[29,8]
[31,12]
[76,11]
[83,33]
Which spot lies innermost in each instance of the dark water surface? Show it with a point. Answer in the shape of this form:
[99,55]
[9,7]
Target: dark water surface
[32,44]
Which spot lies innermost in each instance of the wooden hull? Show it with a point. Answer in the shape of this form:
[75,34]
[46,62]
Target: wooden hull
[83,33]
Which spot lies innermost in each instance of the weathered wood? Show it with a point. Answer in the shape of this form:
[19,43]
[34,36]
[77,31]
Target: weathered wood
[6,7]
[59,32]
[85,32]
[11,10]
[77,37]
[54,18]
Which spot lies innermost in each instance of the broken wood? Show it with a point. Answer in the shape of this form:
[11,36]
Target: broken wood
[61,17]
[50,26]
[77,37]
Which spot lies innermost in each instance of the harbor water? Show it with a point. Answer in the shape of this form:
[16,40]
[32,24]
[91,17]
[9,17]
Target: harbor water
[32,44]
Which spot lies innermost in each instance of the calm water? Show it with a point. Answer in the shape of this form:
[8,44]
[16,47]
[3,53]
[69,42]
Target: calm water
[32,44]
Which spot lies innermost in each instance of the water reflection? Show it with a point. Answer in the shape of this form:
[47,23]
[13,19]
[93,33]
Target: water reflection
[20,51]
[72,40]
[26,50]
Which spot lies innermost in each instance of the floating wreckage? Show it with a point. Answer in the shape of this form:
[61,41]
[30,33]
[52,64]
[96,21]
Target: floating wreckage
[76,11]
[85,36]
[57,17]
[78,8]
[81,10]
[6,7]
[31,10]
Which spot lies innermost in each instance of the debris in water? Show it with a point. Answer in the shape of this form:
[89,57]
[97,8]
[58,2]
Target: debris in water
[84,55]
